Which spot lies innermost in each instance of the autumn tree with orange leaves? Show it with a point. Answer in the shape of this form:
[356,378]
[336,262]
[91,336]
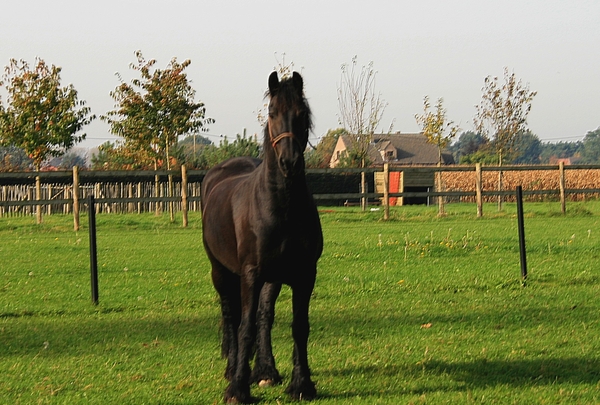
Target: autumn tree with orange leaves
[41,117]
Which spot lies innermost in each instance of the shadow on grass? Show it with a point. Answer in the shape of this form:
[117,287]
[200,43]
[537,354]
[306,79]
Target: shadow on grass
[439,376]
[67,334]
[483,373]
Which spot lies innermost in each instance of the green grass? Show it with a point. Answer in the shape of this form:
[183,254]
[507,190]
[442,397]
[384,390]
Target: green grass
[415,310]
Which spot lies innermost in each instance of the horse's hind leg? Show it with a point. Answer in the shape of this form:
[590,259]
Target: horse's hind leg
[301,386]
[265,373]
[227,285]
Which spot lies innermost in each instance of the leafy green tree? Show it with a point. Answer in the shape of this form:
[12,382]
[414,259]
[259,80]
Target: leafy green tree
[436,127]
[560,150]
[352,158]
[72,159]
[190,151]
[156,109]
[320,156]
[485,155]
[590,153]
[502,115]
[121,156]
[41,117]
[527,148]
[467,143]
[439,132]
[14,159]
[241,146]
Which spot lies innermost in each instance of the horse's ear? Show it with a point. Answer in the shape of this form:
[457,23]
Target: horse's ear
[273,83]
[298,82]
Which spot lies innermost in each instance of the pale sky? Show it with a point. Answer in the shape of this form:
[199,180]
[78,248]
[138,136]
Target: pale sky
[439,48]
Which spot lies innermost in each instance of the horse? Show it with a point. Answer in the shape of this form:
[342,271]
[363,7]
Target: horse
[261,229]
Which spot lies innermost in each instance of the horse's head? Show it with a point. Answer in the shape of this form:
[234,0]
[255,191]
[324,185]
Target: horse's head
[289,123]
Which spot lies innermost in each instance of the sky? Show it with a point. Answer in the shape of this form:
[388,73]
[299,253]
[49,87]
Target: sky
[438,48]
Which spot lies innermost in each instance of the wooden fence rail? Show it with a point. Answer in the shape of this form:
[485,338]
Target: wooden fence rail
[28,193]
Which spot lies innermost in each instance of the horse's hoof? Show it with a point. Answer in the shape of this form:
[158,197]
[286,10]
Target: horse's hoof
[237,396]
[303,392]
[266,383]
[236,401]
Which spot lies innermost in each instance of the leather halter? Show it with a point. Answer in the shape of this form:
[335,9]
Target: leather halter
[275,140]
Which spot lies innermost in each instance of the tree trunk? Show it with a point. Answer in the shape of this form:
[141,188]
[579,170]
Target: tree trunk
[441,208]
[363,186]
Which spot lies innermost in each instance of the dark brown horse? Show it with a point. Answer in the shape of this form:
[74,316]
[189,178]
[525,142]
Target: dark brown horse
[261,229]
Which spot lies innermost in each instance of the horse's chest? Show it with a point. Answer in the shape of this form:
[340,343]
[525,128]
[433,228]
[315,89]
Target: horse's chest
[288,245]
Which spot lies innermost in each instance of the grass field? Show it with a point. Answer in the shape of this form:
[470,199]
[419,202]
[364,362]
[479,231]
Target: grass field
[416,310]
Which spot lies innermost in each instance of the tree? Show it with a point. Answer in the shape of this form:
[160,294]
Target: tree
[361,107]
[361,110]
[156,109]
[14,159]
[73,158]
[502,114]
[503,111]
[320,156]
[241,146]
[484,155]
[468,143]
[435,126]
[41,117]
[527,148]
[439,132]
[590,153]
[190,151]
[560,150]
[121,156]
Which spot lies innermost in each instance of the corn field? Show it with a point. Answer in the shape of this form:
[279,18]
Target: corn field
[529,180]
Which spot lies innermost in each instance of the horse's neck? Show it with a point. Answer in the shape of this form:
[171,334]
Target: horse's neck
[281,190]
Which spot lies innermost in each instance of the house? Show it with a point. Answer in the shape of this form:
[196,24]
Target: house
[398,149]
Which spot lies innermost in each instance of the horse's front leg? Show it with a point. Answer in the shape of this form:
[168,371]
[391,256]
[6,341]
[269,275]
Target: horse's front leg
[301,386]
[227,285]
[238,391]
[265,373]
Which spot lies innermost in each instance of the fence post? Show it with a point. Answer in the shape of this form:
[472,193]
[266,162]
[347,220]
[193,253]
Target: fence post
[386,191]
[440,187]
[478,186]
[76,198]
[170,194]
[363,190]
[38,196]
[93,250]
[184,195]
[563,204]
[521,224]
[139,195]
[131,206]
[156,194]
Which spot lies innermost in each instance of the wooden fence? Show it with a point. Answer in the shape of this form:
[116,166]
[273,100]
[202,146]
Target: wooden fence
[29,193]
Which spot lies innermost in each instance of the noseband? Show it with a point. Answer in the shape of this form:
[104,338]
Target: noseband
[276,139]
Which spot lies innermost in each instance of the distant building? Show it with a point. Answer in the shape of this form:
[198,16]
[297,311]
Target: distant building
[399,149]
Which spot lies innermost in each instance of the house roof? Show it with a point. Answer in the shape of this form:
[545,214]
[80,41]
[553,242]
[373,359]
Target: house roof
[410,149]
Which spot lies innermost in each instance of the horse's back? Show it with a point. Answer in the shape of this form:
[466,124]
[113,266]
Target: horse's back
[227,169]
